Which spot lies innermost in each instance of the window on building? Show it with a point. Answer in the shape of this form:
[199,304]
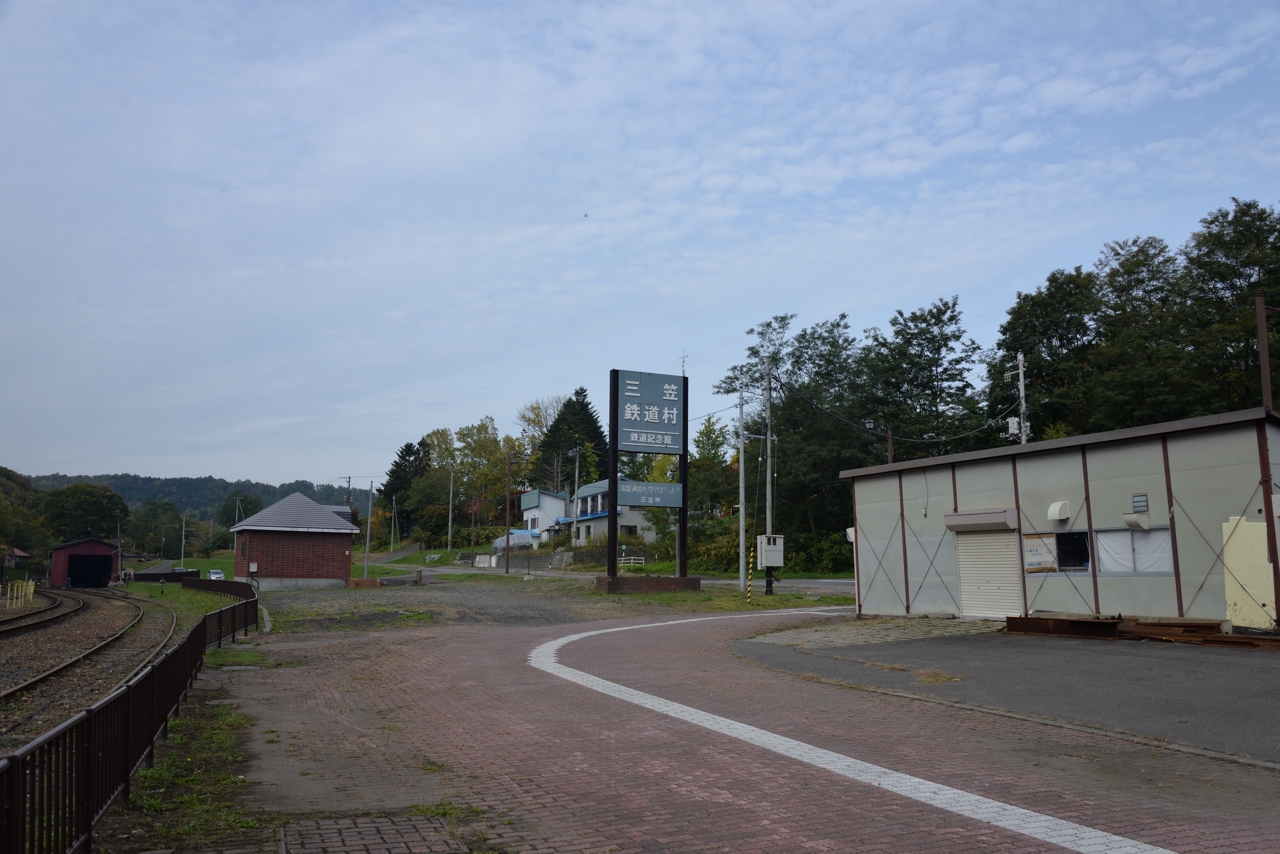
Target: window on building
[1123,551]
[244,547]
[629,530]
[588,532]
[1140,504]
[533,523]
[1056,552]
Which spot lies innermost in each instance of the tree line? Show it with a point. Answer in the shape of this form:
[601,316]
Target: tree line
[33,519]
[1147,333]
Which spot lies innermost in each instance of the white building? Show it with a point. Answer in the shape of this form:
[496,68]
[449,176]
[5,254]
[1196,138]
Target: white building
[591,525]
[540,510]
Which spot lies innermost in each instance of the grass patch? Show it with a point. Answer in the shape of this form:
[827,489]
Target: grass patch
[187,800]
[240,655]
[439,557]
[316,620]
[497,578]
[378,570]
[191,605]
[444,809]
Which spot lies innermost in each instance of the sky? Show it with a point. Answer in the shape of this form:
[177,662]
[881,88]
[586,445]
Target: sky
[276,241]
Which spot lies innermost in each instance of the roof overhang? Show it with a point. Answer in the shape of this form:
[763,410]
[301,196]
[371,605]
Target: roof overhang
[239,528]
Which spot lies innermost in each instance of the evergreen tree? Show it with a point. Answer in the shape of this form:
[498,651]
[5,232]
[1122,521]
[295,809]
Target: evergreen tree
[576,426]
[412,461]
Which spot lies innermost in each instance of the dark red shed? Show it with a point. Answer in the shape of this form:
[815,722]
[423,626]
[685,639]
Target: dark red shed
[90,562]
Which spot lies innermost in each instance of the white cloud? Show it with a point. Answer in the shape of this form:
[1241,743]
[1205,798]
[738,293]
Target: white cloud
[291,219]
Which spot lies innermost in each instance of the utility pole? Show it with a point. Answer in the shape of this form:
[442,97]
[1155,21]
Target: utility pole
[368,530]
[573,533]
[768,456]
[506,553]
[449,542]
[395,523]
[742,498]
[768,446]
[1024,429]
[348,491]
[1264,350]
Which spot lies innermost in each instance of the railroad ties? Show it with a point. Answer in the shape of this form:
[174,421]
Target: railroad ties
[70,653]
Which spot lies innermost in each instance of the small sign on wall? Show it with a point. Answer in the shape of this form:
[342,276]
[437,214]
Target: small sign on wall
[1039,553]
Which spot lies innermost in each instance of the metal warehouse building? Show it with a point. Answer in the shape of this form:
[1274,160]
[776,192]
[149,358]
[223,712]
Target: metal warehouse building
[1167,520]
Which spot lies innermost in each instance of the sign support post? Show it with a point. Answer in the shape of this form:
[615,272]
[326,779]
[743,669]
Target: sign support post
[648,414]
[682,531]
[612,495]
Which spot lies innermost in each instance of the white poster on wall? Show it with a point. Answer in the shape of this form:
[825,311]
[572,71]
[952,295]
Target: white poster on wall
[1039,553]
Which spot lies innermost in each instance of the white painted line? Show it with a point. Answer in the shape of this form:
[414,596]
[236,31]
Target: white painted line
[1075,837]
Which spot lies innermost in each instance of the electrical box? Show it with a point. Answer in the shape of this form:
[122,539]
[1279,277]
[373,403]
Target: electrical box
[253,567]
[769,550]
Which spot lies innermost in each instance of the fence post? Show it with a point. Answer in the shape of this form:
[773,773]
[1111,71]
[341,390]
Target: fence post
[84,785]
[219,628]
[128,744]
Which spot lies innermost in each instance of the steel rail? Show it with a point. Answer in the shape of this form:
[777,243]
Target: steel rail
[43,620]
[173,626]
[48,607]
[52,671]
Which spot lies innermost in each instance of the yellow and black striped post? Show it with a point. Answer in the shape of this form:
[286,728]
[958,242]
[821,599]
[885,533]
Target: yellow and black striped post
[751,563]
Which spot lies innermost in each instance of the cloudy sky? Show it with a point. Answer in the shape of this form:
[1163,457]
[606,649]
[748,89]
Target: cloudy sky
[276,240]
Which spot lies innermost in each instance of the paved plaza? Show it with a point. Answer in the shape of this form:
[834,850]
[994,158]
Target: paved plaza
[368,730]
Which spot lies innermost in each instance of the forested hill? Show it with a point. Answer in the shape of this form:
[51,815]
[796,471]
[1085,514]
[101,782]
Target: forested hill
[200,496]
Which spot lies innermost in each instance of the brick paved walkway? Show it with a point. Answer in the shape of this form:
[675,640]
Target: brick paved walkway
[558,767]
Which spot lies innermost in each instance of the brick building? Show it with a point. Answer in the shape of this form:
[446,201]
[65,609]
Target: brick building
[295,544]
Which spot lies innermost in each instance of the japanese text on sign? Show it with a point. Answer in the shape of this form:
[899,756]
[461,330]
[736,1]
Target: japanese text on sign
[650,415]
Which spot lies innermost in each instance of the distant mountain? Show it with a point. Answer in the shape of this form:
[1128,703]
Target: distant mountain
[200,497]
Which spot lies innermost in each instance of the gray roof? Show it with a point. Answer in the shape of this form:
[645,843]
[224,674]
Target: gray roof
[297,512]
[343,511]
[589,489]
[1205,422]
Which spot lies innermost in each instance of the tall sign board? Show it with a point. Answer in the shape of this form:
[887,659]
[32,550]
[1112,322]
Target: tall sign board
[648,415]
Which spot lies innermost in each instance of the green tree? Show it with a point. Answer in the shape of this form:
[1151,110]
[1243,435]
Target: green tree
[917,380]
[229,514]
[710,441]
[1055,328]
[412,461]
[146,526]
[21,523]
[85,509]
[576,426]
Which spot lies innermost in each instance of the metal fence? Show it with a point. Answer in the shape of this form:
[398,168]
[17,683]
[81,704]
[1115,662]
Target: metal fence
[53,789]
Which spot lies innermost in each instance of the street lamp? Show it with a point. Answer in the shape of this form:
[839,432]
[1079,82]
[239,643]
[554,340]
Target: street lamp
[573,531]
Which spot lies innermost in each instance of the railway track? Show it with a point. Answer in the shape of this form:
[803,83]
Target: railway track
[61,605]
[41,681]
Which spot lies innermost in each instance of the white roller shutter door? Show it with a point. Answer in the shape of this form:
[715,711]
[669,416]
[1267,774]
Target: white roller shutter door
[990,574]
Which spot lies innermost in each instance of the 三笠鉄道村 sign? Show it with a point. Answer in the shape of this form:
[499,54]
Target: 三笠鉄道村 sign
[650,413]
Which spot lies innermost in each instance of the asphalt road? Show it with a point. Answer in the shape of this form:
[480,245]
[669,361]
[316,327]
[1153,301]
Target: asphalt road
[1216,698]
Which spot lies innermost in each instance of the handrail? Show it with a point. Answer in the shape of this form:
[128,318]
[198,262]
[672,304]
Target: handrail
[56,786]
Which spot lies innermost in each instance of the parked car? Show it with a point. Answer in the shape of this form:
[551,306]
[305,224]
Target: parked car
[216,575]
